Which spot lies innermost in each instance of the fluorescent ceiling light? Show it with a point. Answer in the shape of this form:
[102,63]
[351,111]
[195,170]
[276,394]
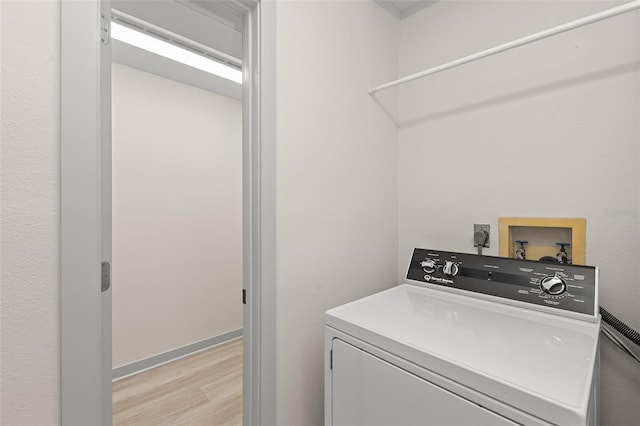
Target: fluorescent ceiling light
[173,52]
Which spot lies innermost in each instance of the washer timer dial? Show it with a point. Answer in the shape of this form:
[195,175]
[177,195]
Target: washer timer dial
[553,285]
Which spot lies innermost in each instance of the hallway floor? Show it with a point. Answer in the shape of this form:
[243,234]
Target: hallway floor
[202,389]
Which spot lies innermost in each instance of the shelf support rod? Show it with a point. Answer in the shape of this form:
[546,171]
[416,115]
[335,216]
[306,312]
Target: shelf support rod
[618,10]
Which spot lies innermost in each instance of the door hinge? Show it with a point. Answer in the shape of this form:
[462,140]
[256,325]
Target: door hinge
[105,276]
[331,359]
[105,28]
[244,296]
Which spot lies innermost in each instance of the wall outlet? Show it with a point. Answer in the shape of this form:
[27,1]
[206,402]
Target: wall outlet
[477,235]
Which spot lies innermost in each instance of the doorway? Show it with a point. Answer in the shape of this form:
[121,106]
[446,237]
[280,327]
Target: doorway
[176,215]
[85,200]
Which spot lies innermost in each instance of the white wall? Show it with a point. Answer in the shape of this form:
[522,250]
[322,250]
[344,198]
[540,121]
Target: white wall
[336,182]
[177,214]
[30,216]
[332,176]
[547,130]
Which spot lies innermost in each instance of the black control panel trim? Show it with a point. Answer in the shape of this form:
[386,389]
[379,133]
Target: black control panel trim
[511,279]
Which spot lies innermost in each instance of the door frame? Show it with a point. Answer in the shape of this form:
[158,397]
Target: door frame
[85,311]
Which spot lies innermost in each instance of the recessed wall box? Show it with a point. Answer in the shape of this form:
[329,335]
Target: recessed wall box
[543,236]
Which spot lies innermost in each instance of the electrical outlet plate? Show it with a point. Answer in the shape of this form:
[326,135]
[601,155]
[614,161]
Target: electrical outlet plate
[487,229]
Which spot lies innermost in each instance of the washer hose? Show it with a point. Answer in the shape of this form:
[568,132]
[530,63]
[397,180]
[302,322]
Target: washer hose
[623,328]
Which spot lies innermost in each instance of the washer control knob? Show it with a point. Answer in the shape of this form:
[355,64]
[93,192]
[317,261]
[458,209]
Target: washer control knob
[553,285]
[429,266]
[450,268]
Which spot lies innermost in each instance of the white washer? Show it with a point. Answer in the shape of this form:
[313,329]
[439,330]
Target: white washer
[467,340]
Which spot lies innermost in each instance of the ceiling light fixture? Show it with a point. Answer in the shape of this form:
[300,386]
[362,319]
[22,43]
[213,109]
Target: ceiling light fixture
[173,52]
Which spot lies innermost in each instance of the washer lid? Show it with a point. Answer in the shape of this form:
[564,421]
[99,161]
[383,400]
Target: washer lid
[539,363]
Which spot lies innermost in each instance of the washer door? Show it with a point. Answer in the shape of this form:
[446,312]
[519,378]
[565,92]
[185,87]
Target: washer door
[369,391]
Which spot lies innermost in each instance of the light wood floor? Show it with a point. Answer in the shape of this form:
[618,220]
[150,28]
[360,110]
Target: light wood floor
[202,389]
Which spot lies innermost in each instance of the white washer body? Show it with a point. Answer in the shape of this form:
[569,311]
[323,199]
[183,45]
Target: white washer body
[412,355]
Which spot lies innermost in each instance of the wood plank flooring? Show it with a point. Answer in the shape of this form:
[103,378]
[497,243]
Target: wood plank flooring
[202,389]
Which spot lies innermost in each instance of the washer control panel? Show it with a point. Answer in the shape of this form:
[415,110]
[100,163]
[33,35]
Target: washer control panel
[571,288]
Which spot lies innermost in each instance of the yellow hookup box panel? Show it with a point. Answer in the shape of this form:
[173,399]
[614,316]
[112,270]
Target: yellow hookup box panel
[542,235]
